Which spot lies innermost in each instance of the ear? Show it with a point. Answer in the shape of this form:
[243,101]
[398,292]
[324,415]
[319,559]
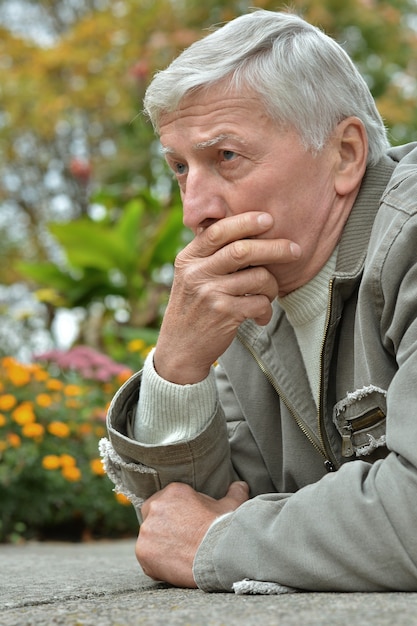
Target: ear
[352,146]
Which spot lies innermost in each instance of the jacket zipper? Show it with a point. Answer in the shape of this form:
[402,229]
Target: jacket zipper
[330,462]
[319,446]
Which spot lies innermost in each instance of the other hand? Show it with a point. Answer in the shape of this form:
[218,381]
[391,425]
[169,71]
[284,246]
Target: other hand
[175,521]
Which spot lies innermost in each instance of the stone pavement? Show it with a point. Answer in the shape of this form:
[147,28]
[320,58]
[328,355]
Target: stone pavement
[100,584]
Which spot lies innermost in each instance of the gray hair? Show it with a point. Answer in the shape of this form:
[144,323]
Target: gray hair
[304,78]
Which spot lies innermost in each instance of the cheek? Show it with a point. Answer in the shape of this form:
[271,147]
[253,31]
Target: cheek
[243,200]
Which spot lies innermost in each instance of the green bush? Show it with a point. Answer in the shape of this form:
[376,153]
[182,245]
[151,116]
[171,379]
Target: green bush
[52,416]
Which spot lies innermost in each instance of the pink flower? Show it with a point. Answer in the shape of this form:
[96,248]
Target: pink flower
[90,363]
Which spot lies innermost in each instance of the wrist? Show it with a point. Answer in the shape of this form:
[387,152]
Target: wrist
[176,370]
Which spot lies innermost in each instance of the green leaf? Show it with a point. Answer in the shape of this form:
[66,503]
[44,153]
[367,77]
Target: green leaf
[129,226]
[89,244]
[47,274]
[169,238]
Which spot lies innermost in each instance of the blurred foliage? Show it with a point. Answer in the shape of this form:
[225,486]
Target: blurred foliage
[113,259]
[52,416]
[89,216]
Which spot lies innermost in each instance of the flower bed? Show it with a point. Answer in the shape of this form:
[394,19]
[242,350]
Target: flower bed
[52,482]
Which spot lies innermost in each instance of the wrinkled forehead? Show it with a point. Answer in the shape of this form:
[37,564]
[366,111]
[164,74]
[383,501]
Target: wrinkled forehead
[213,93]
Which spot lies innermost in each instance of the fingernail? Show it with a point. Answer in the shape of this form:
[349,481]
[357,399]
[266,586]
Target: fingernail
[264,219]
[295,250]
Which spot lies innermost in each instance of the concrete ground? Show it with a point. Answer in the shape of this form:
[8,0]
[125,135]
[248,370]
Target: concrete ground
[100,584]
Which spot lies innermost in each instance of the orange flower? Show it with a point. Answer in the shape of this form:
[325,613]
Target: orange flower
[53,384]
[59,429]
[66,460]
[39,373]
[18,374]
[73,404]
[51,462]
[43,400]
[96,466]
[72,473]
[33,430]
[122,377]
[7,362]
[7,402]
[121,499]
[99,431]
[2,420]
[72,390]
[136,345]
[23,414]
[85,429]
[14,440]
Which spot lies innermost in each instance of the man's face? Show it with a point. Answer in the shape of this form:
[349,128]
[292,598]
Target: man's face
[229,157]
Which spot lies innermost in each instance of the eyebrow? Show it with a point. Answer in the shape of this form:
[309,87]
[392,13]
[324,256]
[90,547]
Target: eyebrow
[202,145]
[209,143]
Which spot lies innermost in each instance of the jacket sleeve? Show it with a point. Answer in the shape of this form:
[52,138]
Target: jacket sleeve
[351,531]
[139,470]
[222,452]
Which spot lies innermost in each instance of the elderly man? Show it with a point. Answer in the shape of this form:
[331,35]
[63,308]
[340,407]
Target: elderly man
[294,460]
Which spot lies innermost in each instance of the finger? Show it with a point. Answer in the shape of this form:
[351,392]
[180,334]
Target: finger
[236,256]
[251,281]
[222,232]
[245,253]
[231,311]
[145,508]
[238,493]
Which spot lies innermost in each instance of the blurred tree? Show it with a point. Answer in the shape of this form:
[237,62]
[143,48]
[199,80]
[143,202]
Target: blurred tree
[70,126]
[73,145]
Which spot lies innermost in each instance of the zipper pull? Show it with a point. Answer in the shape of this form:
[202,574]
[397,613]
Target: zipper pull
[330,467]
[347,447]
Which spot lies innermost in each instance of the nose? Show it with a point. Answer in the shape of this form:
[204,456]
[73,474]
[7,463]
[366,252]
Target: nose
[202,200]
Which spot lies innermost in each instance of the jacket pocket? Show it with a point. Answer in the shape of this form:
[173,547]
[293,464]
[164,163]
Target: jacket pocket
[360,419]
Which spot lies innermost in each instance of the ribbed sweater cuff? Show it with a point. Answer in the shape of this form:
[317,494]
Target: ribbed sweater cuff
[168,413]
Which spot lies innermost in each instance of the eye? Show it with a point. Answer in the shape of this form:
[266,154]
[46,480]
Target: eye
[179,169]
[229,155]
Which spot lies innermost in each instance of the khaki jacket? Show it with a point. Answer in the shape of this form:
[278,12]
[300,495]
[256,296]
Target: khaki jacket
[333,489]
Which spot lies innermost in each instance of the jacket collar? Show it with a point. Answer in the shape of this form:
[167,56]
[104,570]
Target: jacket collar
[353,245]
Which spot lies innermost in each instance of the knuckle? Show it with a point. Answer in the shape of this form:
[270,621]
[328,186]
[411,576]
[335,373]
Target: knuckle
[180,260]
[177,489]
[239,250]
[206,291]
[220,307]
[213,235]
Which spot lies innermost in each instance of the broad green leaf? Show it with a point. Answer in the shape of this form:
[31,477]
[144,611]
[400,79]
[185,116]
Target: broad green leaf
[130,224]
[89,244]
